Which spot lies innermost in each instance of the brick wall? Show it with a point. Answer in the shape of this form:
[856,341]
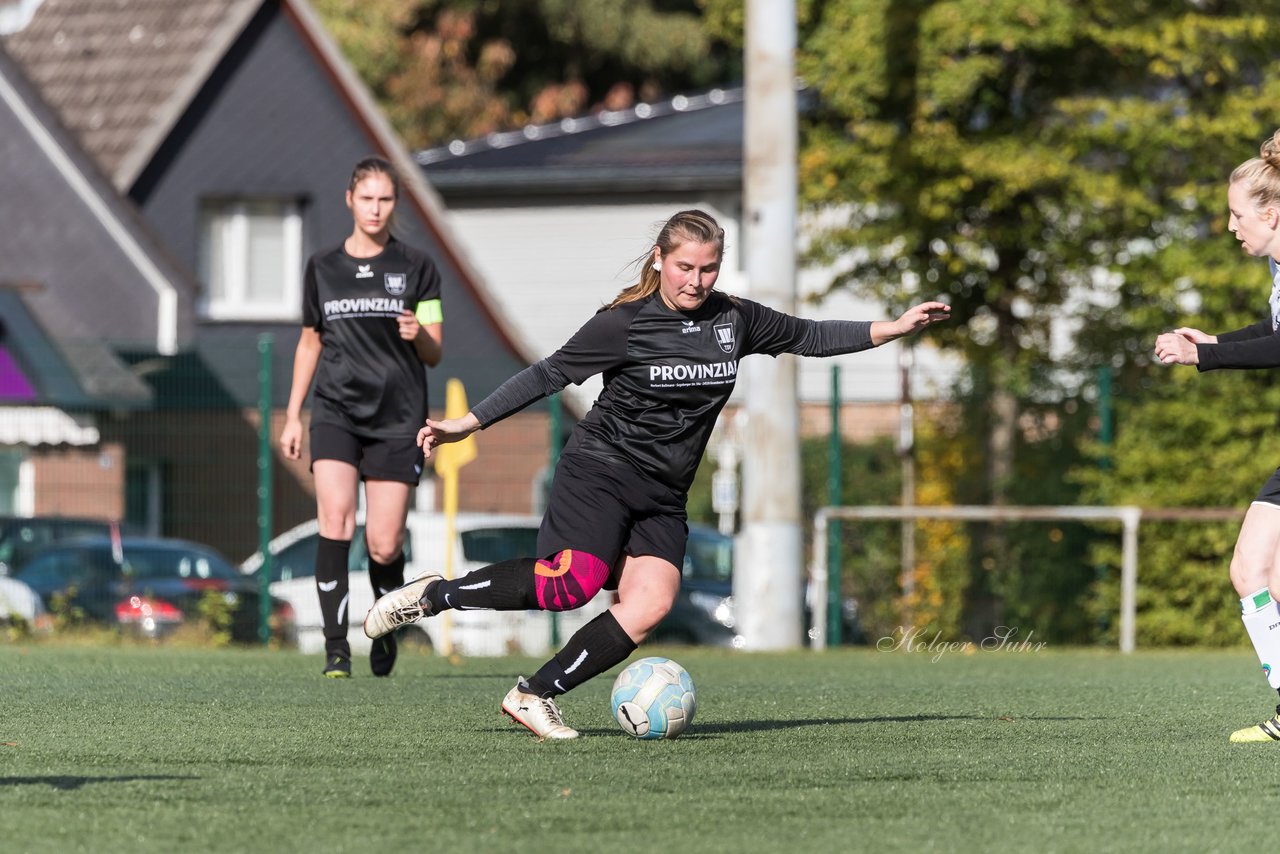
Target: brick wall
[86,482]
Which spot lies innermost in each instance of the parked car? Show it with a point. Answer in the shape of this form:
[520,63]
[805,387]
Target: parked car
[149,585]
[703,612]
[23,536]
[479,540]
[19,602]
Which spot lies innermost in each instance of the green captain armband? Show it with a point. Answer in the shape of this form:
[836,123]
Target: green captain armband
[429,312]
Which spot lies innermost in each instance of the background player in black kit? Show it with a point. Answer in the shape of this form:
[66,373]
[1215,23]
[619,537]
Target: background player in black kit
[1253,199]
[371,319]
[668,348]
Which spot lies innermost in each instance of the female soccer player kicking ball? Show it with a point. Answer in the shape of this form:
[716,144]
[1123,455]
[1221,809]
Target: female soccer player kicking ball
[669,349]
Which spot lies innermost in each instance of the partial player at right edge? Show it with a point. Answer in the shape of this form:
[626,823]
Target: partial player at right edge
[1253,197]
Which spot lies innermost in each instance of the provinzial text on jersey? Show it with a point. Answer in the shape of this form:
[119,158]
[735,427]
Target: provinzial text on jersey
[363,305]
[677,373]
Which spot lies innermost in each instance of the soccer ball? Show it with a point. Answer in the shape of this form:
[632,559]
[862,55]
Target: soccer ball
[654,698]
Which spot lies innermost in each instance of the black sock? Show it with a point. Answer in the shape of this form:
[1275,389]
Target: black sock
[505,586]
[331,584]
[592,650]
[385,577]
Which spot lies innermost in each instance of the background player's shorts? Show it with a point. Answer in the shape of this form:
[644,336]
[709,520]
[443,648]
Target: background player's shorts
[398,458]
[607,508]
[1270,492]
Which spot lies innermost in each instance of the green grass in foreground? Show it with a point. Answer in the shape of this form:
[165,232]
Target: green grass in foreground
[138,749]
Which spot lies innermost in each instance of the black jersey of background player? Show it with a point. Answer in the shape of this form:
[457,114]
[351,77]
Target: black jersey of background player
[370,381]
[667,375]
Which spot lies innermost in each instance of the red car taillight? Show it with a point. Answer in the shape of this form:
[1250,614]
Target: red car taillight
[284,612]
[139,609]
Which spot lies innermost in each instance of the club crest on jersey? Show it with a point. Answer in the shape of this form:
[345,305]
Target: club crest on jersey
[724,336]
[394,283]
[364,271]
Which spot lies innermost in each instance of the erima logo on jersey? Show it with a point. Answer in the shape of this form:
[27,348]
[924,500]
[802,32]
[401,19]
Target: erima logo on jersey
[678,373]
[689,326]
[364,271]
[363,305]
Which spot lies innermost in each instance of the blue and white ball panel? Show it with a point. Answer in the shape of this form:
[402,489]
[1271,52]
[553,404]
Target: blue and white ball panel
[654,697]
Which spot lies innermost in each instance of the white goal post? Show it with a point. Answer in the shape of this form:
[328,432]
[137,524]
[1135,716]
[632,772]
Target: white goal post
[1128,516]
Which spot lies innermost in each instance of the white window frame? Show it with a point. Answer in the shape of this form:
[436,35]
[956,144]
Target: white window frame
[23,497]
[234,303]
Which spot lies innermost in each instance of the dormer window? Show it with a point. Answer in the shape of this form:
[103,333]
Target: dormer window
[251,259]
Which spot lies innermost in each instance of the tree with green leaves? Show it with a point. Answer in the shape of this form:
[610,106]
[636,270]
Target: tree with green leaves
[446,69]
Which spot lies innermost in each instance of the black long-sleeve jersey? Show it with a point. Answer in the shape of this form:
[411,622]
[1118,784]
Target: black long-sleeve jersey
[667,375]
[369,381]
[1254,346]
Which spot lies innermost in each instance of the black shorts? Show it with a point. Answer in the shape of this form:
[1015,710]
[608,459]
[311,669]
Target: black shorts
[398,459]
[1270,492]
[608,509]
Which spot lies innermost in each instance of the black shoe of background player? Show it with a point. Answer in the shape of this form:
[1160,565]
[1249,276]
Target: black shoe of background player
[382,657]
[337,659]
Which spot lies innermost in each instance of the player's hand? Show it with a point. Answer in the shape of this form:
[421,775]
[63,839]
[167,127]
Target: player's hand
[408,325]
[446,431]
[1195,336]
[913,320]
[918,317]
[1174,348]
[291,439]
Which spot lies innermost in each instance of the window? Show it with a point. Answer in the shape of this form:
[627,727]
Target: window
[16,488]
[251,259]
[144,496]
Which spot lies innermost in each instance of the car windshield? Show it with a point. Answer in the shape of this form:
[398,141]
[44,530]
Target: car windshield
[490,545]
[21,537]
[708,556]
[172,562]
[59,567]
[298,559]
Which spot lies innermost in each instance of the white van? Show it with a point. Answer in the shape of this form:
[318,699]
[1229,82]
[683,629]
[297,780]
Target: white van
[479,540]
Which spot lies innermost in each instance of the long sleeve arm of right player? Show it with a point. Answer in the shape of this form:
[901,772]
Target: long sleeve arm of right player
[1261,352]
[1261,329]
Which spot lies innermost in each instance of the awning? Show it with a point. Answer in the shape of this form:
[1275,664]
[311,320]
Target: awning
[45,425]
[70,372]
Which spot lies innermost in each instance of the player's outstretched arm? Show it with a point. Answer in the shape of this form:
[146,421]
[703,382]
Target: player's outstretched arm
[912,321]
[446,431]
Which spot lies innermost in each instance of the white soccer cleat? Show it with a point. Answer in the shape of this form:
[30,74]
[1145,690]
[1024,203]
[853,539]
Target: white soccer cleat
[540,715]
[399,607]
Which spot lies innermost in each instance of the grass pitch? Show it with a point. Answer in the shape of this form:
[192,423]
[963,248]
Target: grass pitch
[165,749]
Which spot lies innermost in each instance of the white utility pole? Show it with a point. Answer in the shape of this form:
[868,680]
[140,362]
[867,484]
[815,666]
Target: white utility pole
[768,588]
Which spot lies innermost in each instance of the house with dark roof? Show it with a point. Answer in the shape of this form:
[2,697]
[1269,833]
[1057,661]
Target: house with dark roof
[227,130]
[81,275]
[554,213]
